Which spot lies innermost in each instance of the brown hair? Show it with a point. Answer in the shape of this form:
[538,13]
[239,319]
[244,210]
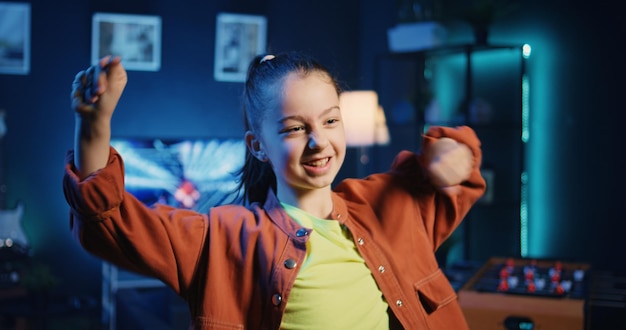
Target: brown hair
[263,90]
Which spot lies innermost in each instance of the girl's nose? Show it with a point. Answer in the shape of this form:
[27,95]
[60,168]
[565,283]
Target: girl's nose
[317,140]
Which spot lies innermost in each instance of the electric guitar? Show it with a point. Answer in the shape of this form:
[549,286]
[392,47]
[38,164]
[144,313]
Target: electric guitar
[12,236]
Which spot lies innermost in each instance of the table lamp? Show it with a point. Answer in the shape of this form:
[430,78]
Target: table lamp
[364,122]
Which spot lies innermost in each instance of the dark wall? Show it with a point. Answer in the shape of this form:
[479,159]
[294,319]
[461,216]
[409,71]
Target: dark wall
[180,100]
[577,106]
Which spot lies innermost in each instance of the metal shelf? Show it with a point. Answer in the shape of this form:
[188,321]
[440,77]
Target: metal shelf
[115,279]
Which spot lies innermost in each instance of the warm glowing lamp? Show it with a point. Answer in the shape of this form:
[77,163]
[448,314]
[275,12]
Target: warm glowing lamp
[364,121]
[381,133]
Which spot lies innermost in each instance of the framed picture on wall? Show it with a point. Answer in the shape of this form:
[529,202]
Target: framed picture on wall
[239,38]
[135,38]
[14,38]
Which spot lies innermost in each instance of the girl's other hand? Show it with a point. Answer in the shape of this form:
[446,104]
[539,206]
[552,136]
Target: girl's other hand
[448,162]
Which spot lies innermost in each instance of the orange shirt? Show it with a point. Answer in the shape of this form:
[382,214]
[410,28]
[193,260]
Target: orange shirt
[236,266]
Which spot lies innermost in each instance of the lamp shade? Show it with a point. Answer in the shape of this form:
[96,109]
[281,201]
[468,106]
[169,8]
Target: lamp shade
[363,118]
[381,135]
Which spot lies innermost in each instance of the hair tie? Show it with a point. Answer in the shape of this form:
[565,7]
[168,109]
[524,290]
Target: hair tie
[267,58]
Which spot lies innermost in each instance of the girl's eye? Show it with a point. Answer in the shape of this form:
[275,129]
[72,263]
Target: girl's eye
[293,129]
[332,121]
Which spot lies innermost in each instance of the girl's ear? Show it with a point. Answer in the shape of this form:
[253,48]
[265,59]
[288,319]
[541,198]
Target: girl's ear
[254,146]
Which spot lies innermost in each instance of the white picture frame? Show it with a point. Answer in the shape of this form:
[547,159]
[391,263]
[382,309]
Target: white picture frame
[15,38]
[238,39]
[135,38]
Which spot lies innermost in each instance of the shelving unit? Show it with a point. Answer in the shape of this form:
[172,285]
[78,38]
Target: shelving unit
[439,86]
[115,280]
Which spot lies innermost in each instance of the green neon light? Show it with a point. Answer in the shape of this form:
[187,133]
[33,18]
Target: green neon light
[525,112]
[526,50]
[523,216]
[524,177]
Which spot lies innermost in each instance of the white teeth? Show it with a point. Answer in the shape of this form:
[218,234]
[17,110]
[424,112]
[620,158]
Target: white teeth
[320,162]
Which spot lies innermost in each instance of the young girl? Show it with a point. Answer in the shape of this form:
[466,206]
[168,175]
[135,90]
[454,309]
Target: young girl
[299,254]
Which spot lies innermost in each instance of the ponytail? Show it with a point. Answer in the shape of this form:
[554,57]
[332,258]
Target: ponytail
[255,179]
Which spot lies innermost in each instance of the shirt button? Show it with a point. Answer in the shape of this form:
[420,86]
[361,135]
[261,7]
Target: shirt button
[399,303]
[360,241]
[277,299]
[302,232]
[290,264]
[381,269]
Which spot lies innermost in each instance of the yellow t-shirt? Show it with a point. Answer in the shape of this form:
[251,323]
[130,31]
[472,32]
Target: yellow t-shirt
[334,288]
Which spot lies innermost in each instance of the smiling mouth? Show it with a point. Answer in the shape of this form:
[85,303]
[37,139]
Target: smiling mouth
[319,163]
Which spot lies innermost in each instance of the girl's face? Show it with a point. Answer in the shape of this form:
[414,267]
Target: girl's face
[305,140]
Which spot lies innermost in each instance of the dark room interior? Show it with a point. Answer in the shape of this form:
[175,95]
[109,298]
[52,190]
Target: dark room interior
[550,71]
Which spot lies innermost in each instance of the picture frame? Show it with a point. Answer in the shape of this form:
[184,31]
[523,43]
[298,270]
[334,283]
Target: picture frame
[15,38]
[239,38]
[135,38]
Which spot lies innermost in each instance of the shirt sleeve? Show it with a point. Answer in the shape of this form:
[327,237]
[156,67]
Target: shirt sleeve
[110,223]
[404,193]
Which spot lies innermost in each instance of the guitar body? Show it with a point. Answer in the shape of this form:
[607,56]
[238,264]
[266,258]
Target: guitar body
[11,233]
[14,246]
[13,240]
